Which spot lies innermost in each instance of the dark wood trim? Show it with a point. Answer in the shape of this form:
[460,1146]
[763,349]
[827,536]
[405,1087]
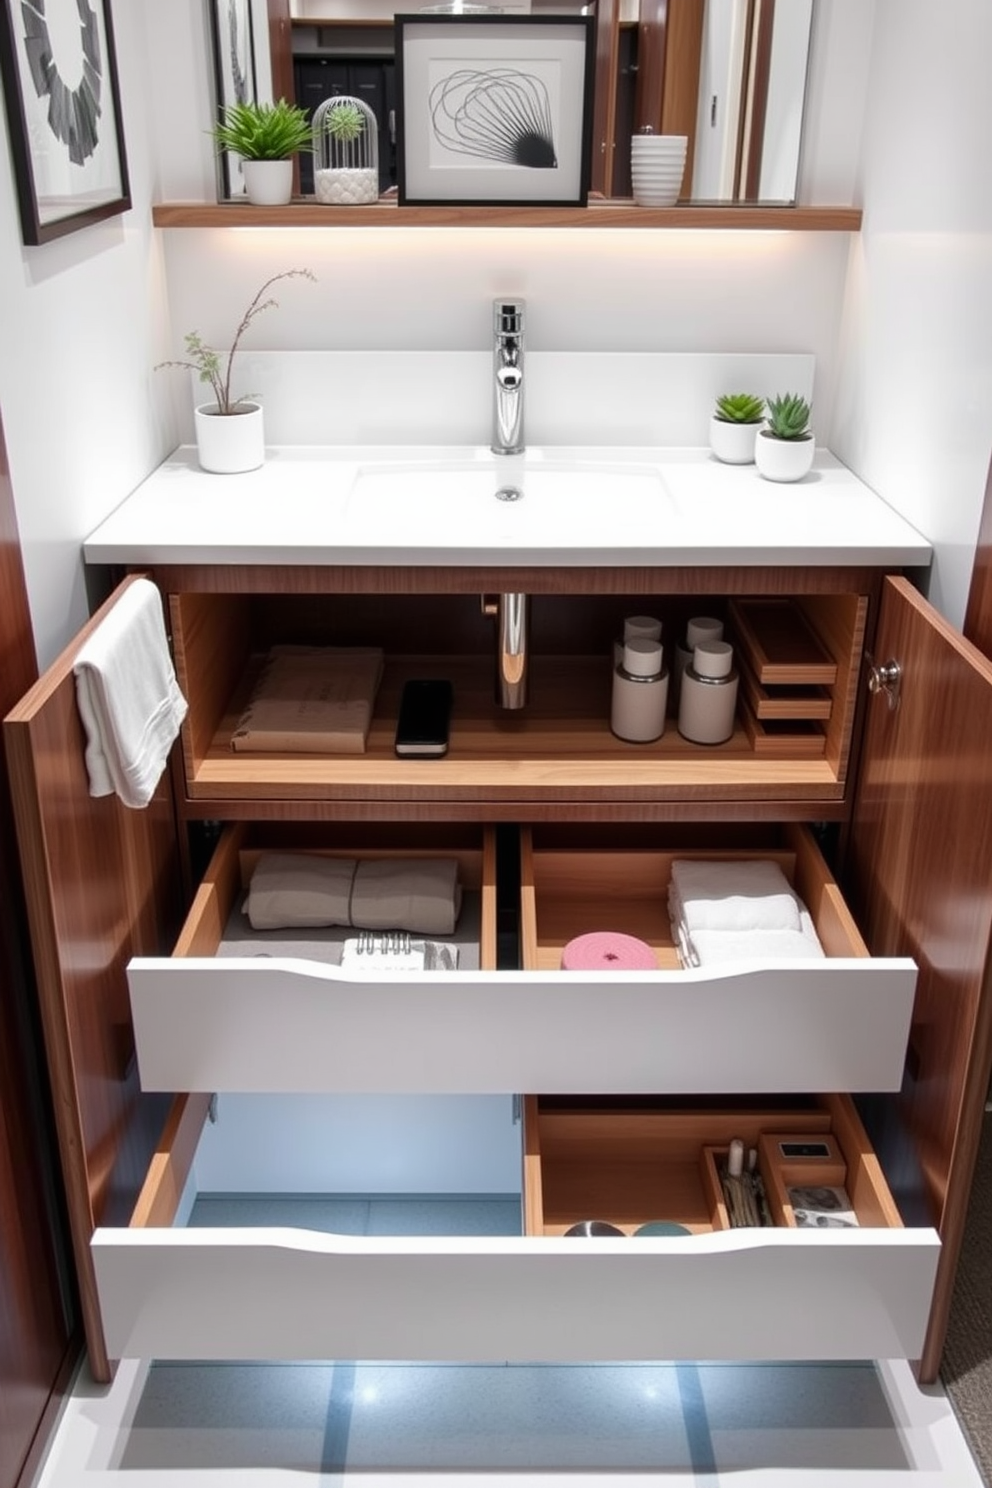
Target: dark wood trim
[680,98]
[758,74]
[978,616]
[652,29]
[607,34]
[281,49]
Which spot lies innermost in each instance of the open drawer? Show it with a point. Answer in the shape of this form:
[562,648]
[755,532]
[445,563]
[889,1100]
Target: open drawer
[205,1022]
[721,1292]
[838,1023]
[293,1293]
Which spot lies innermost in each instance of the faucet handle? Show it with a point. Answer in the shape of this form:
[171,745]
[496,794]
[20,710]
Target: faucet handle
[508,317]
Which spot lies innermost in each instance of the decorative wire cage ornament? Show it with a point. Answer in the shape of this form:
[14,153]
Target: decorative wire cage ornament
[345,152]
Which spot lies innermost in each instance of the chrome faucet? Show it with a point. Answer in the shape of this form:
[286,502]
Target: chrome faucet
[508,377]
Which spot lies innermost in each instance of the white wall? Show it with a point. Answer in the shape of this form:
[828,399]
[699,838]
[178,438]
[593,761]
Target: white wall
[83,320]
[913,410]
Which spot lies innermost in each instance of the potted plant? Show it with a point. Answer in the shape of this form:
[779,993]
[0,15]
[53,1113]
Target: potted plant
[266,136]
[784,450]
[230,436]
[345,152]
[734,425]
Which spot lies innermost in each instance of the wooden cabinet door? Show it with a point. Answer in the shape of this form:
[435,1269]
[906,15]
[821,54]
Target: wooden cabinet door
[38,1343]
[102,883]
[920,883]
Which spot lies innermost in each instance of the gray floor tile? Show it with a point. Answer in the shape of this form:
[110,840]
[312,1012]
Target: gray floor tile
[786,1416]
[480,1418]
[344,1216]
[230,1416]
[429,1216]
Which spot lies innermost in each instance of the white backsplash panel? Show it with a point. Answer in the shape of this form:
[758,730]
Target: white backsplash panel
[445,397]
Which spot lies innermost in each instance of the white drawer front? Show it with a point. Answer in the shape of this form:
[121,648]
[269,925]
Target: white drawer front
[293,1294]
[278,1025]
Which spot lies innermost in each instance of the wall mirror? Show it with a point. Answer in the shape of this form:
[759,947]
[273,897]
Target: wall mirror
[729,74]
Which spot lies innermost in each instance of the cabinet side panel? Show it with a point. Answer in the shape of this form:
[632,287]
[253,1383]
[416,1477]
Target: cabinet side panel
[101,884]
[920,838]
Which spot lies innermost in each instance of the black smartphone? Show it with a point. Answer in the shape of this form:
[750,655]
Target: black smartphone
[425,710]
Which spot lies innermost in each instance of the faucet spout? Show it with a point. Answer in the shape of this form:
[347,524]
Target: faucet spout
[508,377]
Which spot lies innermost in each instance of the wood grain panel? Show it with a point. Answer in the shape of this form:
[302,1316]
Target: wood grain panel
[306,212]
[919,884]
[37,1310]
[650,88]
[978,616]
[607,42]
[102,884]
[683,49]
[688,580]
[171,1163]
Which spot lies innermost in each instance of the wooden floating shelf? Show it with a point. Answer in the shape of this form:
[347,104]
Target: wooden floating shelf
[305,212]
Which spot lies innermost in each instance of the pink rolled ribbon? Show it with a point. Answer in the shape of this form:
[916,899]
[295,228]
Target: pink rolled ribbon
[608,950]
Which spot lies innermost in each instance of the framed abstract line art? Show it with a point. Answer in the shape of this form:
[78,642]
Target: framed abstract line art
[234,75]
[59,77]
[494,110]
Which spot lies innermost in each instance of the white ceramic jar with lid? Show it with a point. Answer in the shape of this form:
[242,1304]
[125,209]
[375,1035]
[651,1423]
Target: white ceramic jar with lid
[640,692]
[708,697]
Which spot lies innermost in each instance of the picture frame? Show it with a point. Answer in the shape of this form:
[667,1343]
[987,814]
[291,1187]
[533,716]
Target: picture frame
[494,110]
[235,80]
[63,116]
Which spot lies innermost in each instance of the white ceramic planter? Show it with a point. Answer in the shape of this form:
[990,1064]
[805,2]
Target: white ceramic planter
[733,443]
[783,459]
[269,183]
[343,187]
[228,444]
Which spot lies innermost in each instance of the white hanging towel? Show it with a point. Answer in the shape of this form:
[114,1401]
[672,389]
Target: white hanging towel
[128,697]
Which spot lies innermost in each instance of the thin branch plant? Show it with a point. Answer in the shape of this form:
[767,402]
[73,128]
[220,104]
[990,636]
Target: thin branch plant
[207,362]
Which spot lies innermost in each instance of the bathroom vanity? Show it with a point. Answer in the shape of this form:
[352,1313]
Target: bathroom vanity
[859,762]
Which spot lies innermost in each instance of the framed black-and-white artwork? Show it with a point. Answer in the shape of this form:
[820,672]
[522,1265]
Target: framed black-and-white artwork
[495,110]
[234,75]
[59,77]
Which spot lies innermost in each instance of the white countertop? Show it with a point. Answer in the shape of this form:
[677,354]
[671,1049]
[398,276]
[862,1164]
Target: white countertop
[435,506]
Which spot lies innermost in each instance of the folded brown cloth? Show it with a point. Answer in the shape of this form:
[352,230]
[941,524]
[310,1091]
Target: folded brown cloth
[290,890]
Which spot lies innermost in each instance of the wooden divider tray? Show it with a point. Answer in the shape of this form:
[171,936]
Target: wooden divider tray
[777,642]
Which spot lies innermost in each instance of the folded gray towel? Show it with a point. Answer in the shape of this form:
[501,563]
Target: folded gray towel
[418,894]
[299,889]
[295,890]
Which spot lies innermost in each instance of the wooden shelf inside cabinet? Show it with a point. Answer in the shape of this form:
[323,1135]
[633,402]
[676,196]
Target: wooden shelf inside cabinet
[559,747]
[306,212]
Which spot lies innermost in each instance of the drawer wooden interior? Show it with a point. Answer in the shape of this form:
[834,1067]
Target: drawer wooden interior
[631,1165]
[567,891]
[241,845]
[779,747]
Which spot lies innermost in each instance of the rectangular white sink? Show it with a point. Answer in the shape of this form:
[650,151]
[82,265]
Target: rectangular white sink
[529,501]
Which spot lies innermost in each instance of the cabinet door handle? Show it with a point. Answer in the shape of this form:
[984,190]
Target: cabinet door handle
[885,677]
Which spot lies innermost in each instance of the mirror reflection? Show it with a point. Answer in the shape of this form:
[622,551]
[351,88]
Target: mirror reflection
[729,74]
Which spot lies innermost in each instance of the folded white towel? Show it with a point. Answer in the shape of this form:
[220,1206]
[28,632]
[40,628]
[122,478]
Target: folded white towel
[711,947]
[128,697]
[747,894]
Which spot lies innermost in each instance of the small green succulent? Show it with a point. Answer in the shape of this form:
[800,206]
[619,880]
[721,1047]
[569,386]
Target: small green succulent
[344,122]
[263,131]
[739,408]
[788,417]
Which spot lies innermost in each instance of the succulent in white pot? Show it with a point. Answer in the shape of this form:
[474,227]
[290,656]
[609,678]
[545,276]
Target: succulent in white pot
[784,449]
[230,433]
[266,136]
[734,425]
